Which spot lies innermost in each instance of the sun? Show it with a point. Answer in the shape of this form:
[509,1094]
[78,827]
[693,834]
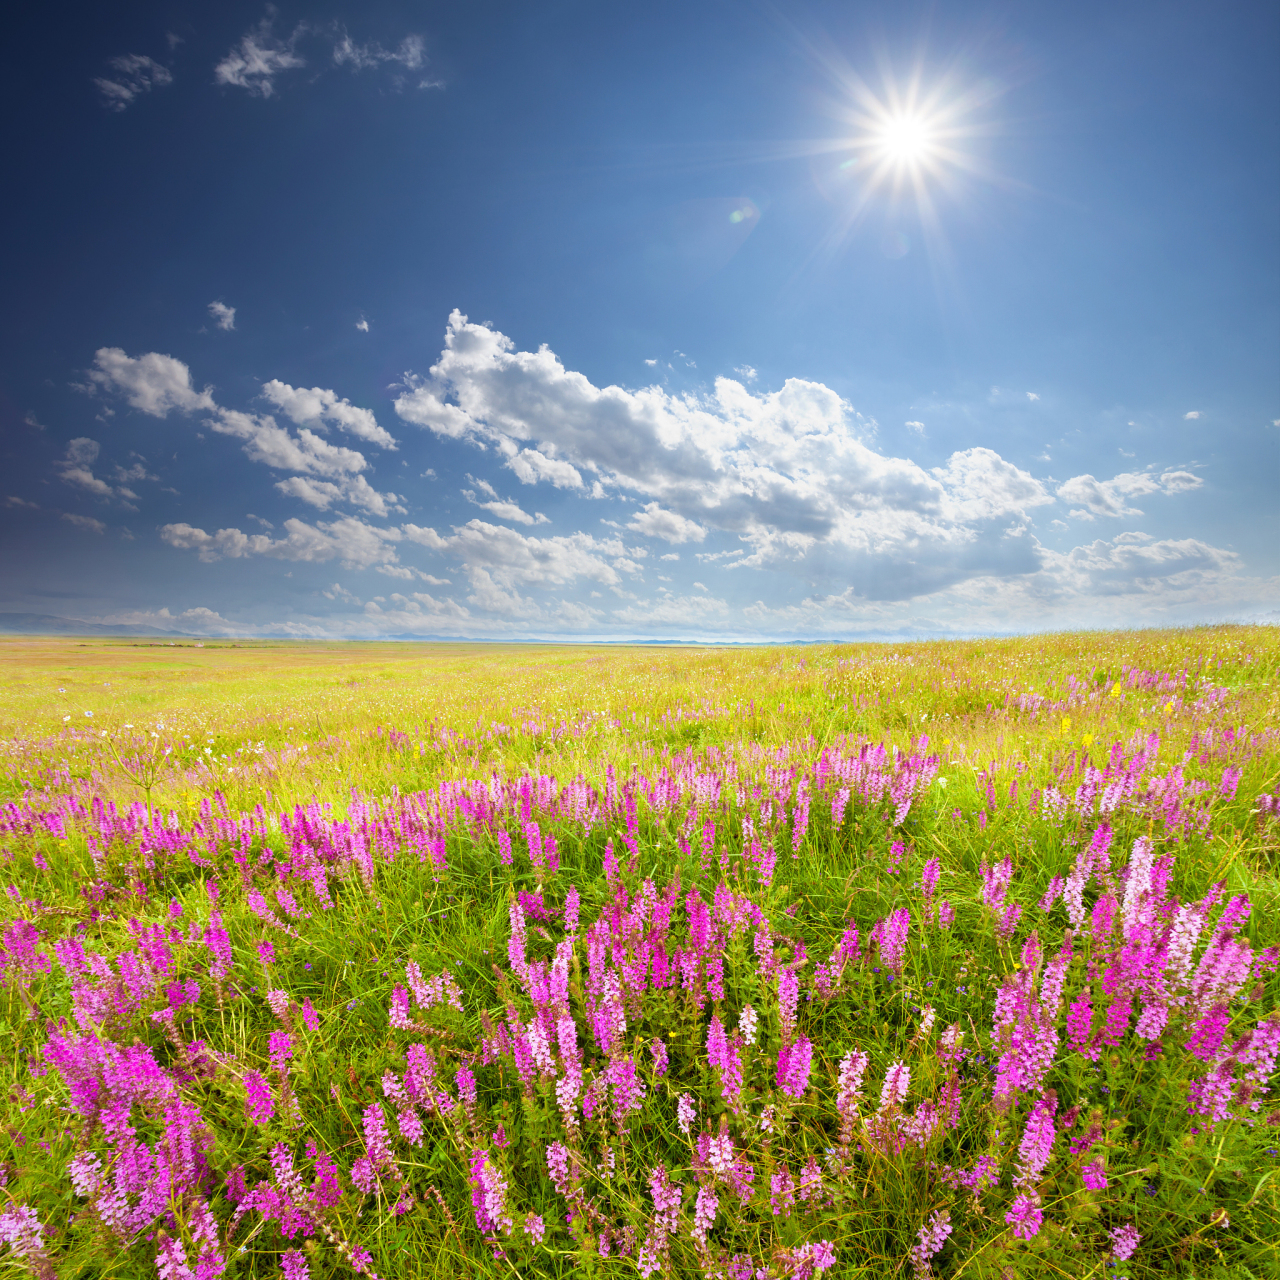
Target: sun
[906,139]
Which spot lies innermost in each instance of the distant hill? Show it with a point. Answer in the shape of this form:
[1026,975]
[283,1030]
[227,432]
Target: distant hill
[44,624]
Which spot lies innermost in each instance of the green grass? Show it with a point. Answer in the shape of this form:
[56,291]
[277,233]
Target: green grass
[296,725]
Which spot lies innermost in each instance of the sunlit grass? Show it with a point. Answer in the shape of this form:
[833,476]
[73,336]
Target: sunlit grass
[209,734]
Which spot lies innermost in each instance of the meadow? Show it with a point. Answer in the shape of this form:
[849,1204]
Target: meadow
[952,959]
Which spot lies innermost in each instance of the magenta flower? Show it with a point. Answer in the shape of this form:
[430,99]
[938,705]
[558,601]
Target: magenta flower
[1209,1033]
[258,1098]
[1036,1146]
[1094,1176]
[794,1065]
[293,1265]
[1025,1217]
[279,1051]
[782,1192]
[659,1051]
[488,1194]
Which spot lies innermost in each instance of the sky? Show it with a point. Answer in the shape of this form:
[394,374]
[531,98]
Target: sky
[701,321]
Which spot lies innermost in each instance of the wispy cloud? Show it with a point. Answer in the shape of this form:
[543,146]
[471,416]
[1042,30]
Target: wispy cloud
[254,63]
[133,75]
[257,60]
[87,523]
[223,316]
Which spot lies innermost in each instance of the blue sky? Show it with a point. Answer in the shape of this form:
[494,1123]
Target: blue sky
[676,320]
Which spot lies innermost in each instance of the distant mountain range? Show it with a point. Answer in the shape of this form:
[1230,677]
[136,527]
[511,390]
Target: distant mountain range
[44,624]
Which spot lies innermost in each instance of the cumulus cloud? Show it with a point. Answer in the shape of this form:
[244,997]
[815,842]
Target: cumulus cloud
[87,523]
[325,473]
[319,408]
[501,508]
[223,316]
[133,75]
[1031,395]
[652,521]
[153,383]
[509,558]
[356,544]
[917,427]
[789,472]
[1192,415]
[1108,498]
[363,325]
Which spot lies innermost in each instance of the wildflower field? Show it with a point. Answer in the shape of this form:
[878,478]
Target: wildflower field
[950,959]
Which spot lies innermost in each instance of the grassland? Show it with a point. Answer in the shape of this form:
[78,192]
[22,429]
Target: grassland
[415,959]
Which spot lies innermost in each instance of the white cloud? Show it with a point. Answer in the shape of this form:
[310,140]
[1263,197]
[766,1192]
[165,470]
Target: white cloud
[673,610]
[789,471]
[411,54]
[85,522]
[651,362]
[510,558]
[327,473]
[356,544]
[76,468]
[504,510]
[319,408]
[154,383]
[254,63]
[223,316]
[1031,395]
[1192,416]
[917,427]
[355,490]
[674,555]
[259,57]
[363,325]
[135,74]
[654,522]
[746,371]
[1108,497]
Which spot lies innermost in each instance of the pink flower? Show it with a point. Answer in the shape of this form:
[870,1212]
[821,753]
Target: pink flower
[1124,1240]
[782,1192]
[933,1235]
[1037,1142]
[686,1113]
[897,1080]
[659,1051]
[1094,1176]
[704,1215]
